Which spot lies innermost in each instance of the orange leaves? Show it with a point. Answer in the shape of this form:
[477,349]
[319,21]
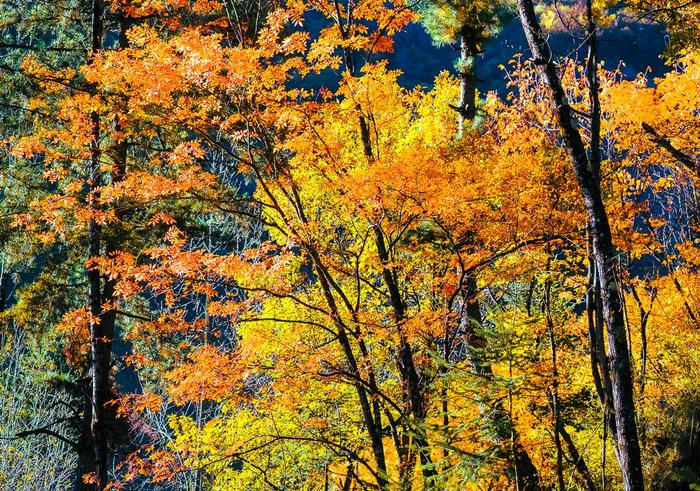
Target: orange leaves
[165,326]
[667,112]
[51,80]
[158,466]
[133,404]
[141,8]
[76,326]
[207,374]
[369,28]
[141,188]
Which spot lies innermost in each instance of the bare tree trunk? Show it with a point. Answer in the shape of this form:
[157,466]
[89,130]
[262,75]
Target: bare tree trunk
[629,456]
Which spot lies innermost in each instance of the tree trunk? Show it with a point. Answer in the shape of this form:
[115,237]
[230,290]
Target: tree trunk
[372,419]
[526,475]
[100,331]
[4,279]
[412,386]
[620,371]
[556,413]
[578,460]
[468,50]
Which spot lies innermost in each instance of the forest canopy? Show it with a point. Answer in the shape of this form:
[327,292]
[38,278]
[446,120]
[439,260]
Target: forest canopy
[328,245]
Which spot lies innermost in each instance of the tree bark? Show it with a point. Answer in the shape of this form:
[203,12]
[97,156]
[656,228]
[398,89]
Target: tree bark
[629,456]
[468,51]
[100,331]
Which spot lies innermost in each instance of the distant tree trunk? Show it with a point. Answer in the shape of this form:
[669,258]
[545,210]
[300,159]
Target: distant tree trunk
[556,413]
[468,51]
[527,477]
[629,456]
[4,279]
[102,290]
[101,331]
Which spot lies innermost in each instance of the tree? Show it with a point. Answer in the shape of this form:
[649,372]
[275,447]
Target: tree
[471,23]
[312,283]
[587,175]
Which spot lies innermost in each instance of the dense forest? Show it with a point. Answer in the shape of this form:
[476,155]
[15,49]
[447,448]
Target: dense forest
[349,245]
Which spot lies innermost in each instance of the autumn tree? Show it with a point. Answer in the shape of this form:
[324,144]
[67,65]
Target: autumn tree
[320,278]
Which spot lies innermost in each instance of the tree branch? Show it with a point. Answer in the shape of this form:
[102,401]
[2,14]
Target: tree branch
[666,144]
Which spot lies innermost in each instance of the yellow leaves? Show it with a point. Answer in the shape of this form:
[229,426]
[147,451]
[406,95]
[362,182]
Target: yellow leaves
[547,19]
[565,17]
[690,252]
[666,108]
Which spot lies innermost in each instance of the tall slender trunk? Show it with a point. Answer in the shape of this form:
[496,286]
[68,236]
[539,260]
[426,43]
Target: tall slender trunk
[525,471]
[413,388]
[554,395]
[366,388]
[370,410]
[526,475]
[643,321]
[412,385]
[577,459]
[468,51]
[414,391]
[371,413]
[100,328]
[629,456]
[599,358]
